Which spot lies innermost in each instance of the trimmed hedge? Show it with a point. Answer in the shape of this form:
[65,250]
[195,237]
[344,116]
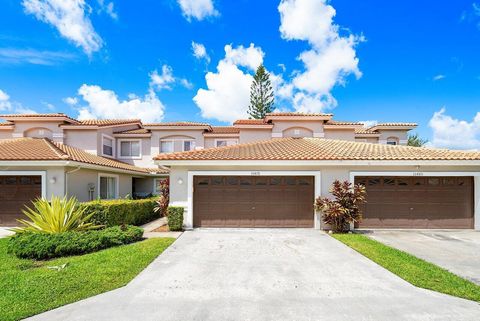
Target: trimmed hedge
[41,246]
[175,218]
[121,211]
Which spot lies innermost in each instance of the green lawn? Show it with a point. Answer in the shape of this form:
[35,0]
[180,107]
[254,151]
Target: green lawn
[28,287]
[410,268]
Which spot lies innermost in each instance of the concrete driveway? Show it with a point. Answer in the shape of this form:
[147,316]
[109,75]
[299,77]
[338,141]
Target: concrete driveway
[455,250]
[265,275]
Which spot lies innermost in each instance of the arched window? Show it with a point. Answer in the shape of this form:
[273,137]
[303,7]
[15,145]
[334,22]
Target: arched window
[38,132]
[392,141]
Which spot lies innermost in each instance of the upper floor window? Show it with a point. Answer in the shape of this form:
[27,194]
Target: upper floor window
[225,142]
[166,146]
[107,145]
[188,145]
[130,148]
[392,141]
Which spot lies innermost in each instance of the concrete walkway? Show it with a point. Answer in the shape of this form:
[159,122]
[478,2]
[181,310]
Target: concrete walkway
[5,231]
[455,250]
[265,275]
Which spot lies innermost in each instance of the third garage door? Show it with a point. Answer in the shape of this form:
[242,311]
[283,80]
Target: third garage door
[253,201]
[418,202]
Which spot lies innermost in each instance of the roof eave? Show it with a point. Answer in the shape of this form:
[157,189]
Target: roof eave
[328,163]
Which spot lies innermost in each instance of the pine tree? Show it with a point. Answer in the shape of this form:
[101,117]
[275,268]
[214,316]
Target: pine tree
[261,94]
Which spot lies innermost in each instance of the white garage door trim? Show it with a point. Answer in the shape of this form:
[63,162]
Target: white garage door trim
[188,218]
[42,174]
[476,186]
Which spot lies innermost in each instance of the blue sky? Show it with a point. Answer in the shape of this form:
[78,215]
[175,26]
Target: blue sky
[361,60]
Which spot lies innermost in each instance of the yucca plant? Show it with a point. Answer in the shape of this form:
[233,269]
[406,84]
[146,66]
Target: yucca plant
[55,216]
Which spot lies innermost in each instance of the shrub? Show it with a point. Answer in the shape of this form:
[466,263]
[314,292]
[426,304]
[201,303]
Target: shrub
[46,246]
[55,216]
[121,211]
[175,218]
[344,209]
[163,197]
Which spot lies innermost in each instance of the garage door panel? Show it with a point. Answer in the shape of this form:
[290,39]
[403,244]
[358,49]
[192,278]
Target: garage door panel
[15,193]
[418,202]
[261,201]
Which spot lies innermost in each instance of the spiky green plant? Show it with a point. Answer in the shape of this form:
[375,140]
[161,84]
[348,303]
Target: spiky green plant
[55,216]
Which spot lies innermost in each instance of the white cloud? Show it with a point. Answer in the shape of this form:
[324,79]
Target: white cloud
[9,106]
[439,77]
[72,101]
[368,123]
[103,103]
[33,56]
[330,59]
[449,132]
[227,95]
[200,52]
[108,8]
[70,18]
[250,57]
[198,9]
[163,80]
[186,83]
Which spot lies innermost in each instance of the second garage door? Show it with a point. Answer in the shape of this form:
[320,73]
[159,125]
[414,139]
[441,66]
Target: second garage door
[418,202]
[15,193]
[253,201]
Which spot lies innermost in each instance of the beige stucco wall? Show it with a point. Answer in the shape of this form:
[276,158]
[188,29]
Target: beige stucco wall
[402,136]
[248,135]
[6,134]
[83,139]
[372,140]
[78,183]
[31,129]
[146,159]
[301,132]
[342,134]
[280,126]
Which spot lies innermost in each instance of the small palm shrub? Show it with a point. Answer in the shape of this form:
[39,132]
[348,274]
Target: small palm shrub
[175,218]
[55,216]
[344,208]
[163,198]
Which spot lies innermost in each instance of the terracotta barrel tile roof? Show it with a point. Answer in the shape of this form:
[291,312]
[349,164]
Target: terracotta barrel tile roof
[365,131]
[297,114]
[51,115]
[178,123]
[108,122]
[318,149]
[249,122]
[134,131]
[339,122]
[43,149]
[225,130]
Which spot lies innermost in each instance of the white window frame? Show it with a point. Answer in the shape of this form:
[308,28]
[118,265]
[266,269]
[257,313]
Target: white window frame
[166,140]
[42,174]
[113,146]
[227,140]
[183,144]
[129,140]
[117,184]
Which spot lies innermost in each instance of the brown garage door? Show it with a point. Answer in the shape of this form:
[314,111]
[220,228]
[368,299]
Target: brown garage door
[253,201]
[418,202]
[15,193]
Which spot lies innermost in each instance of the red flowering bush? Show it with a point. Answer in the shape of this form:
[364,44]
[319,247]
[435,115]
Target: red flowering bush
[344,208]
[163,197]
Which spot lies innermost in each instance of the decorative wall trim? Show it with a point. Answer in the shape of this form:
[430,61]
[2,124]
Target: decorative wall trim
[319,135]
[277,135]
